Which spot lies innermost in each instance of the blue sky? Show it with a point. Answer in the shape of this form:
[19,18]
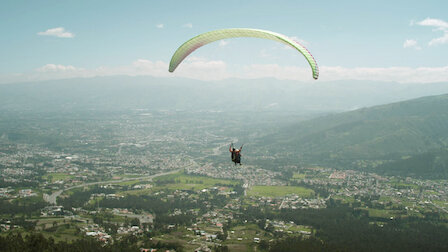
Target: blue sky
[349,39]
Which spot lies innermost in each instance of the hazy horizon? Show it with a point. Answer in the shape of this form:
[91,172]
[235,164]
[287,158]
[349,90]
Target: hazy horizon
[266,94]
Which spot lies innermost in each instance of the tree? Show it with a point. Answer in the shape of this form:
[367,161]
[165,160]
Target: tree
[135,222]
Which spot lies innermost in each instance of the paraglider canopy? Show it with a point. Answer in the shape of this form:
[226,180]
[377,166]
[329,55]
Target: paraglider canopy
[191,45]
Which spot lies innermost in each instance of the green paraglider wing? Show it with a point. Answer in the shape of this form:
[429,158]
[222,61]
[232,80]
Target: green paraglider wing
[188,47]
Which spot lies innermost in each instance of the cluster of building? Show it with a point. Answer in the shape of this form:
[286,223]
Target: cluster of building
[7,193]
[143,217]
[355,184]
[295,202]
[134,230]
[23,193]
[7,226]
[54,211]
[288,227]
[97,232]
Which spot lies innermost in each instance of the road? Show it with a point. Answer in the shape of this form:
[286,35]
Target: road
[53,197]
[439,207]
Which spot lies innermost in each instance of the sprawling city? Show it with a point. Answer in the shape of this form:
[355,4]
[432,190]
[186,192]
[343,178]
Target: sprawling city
[162,180]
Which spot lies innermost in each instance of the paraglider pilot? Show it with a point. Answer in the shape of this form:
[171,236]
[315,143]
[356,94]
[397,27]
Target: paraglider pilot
[236,154]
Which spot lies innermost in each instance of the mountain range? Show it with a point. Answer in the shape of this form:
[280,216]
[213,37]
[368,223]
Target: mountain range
[144,92]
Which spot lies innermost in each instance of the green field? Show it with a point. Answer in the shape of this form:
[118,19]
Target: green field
[61,232]
[182,181]
[345,199]
[128,175]
[404,185]
[382,213]
[57,176]
[137,192]
[180,236]
[298,228]
[299,176]
[279,191]
[247,232]
[129,182]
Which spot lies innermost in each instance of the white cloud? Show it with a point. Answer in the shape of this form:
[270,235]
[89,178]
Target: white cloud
[145,67]
[439,25]
[204,69]
[397,74]
[332,73]
[59,32]
[439,41]
[188,25]
[411,43]
[160,26]
[223,42]
[193,68]
[55,68]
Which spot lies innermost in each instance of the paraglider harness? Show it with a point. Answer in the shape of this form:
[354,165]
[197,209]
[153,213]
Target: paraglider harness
[236,155]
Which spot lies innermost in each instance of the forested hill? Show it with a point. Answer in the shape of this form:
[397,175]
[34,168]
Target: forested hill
[374,138]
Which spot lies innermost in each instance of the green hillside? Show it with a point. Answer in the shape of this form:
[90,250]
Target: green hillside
[432,164]
[370,138]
